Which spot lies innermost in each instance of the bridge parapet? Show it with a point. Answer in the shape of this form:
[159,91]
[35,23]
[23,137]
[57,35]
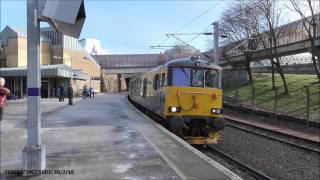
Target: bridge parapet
[128,60]
[292,39]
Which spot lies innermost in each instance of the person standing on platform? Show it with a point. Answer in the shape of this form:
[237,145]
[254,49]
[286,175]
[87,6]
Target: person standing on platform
[70,94]
[4,92]
[62,93]
[84,91]
[92,93]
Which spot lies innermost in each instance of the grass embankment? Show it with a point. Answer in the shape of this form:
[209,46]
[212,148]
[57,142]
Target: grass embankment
[293,104]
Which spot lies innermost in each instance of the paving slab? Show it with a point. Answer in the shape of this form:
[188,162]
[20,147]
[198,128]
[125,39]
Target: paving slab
[101,138]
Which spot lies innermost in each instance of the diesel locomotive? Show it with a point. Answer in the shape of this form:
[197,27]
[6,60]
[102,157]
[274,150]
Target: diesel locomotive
[186,93]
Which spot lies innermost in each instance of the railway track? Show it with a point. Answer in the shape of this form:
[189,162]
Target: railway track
[244,167]
[248,169]
[304,144]
[237,163]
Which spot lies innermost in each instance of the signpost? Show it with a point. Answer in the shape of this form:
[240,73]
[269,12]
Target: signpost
[66,17]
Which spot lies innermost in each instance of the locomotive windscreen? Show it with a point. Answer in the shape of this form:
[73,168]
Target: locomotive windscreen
[195,77]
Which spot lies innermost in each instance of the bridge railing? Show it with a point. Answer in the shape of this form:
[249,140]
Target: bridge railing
[287,34]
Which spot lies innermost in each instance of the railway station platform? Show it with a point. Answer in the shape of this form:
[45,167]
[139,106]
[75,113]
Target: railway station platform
[103,138]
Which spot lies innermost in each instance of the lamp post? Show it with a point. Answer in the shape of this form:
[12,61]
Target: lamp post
[34,152]
[70,23]
[216,41]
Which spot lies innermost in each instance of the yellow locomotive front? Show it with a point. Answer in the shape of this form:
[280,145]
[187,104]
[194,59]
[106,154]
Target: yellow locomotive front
[193,105]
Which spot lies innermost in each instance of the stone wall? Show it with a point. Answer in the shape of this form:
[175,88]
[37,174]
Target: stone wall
[110,83]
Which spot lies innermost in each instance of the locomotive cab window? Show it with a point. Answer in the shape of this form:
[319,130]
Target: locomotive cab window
[194,77]
[197,78]
[180,76]
[212,78]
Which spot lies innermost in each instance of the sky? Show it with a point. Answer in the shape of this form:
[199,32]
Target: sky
[130,27]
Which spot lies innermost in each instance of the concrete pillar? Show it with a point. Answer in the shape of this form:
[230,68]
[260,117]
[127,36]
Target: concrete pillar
[21,87]
[119,82]
[49,87]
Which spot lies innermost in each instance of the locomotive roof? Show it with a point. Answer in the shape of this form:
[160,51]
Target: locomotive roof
[187,62]
[192,63]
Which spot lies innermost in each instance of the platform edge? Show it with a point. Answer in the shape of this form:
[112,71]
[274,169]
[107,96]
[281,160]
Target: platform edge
[215,164]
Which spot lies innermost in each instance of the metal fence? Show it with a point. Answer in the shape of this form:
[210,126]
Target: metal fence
[305,107]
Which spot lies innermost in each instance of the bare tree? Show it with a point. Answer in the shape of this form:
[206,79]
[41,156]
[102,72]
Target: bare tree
[181,50]
[269,21]
[239,24]
[310,24]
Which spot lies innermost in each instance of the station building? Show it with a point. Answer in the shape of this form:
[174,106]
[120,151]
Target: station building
[63,62]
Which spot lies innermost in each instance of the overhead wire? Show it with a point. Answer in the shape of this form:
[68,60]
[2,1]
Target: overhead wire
[195,18]
[203,31]
[191,21]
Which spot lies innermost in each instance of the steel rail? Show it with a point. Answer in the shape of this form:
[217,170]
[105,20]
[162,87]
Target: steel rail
[252,171]
[273,131]
[271,137]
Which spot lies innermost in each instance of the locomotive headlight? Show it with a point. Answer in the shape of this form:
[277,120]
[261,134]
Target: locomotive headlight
[216,111]
[174,109]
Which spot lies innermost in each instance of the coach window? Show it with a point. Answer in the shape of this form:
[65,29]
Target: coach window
[156,84]
[163,80]
[145,83]
[139,86]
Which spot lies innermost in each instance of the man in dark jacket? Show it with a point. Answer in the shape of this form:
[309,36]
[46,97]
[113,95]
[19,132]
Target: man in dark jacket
[4,92]
[61,93]
[85,91]
[70,94]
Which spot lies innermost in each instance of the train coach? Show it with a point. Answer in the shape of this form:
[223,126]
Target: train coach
[186,93]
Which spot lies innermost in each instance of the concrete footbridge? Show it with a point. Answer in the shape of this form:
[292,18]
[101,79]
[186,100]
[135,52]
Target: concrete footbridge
[292,39]
[117,70]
